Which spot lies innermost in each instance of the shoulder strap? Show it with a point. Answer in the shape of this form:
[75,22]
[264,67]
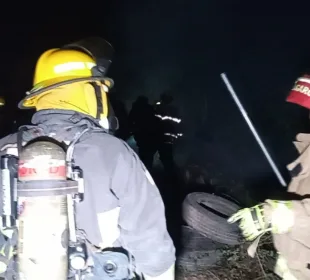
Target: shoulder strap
[27,133]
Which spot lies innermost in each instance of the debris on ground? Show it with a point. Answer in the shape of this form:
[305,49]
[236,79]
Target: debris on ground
[237,265]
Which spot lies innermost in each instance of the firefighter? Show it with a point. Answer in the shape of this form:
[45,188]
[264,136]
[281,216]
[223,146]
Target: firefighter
[288,220]
[144,128]
[169,129]
[122,206]
[121,117]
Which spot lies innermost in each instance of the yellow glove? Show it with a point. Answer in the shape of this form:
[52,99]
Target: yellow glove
[273,215]
[252,221]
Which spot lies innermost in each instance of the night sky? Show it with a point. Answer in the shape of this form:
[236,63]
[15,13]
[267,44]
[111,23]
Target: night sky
[183,46]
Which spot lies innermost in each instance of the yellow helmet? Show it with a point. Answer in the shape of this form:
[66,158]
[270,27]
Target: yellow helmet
[61,66]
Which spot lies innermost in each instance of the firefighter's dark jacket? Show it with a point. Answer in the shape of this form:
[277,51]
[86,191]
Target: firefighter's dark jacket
[114,178]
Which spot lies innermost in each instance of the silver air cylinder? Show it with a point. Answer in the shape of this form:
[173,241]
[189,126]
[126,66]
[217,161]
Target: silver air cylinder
[8,164]
[43,212]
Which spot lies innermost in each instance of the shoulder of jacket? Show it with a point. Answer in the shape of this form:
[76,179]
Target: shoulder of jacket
[303,137]
[9,140]
[105,142]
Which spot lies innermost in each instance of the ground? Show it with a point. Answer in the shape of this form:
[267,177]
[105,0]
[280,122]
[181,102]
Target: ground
[237,265]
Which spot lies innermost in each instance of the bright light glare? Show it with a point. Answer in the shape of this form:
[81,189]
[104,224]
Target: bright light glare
[2,101]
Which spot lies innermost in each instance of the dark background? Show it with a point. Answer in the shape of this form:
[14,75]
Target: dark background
[183,46]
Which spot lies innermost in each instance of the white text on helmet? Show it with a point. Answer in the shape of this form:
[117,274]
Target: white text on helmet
[70,66]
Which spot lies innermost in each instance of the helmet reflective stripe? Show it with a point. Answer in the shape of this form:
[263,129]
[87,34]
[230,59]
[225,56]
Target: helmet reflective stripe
[69,66]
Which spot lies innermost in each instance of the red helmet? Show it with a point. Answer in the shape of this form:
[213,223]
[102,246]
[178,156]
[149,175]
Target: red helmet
[300,93]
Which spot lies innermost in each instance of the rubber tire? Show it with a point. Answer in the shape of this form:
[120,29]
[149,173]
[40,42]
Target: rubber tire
[208,223]
[198,251]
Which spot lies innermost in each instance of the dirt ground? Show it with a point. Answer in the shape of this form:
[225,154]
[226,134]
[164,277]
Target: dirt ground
[237,265]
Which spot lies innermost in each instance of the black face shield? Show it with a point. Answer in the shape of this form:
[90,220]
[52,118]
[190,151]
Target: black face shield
[98,48]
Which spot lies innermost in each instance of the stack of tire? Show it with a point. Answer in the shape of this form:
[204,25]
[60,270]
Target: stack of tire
[207,230]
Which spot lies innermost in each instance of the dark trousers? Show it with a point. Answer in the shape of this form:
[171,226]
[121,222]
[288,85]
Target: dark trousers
[148,150]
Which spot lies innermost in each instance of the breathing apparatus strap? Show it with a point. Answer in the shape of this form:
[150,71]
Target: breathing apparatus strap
[27,133]
[20,139]
[99,100]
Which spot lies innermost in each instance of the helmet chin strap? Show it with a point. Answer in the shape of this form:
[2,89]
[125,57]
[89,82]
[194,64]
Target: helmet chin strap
[104,123]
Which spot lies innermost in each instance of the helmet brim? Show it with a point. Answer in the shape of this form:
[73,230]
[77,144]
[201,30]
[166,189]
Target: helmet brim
[29,101]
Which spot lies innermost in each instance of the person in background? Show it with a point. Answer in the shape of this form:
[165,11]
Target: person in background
[168,129]
[144,127]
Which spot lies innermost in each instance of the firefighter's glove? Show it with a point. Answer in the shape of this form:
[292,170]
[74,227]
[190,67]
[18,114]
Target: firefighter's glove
[252,222]
[273,215]
[280,214]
